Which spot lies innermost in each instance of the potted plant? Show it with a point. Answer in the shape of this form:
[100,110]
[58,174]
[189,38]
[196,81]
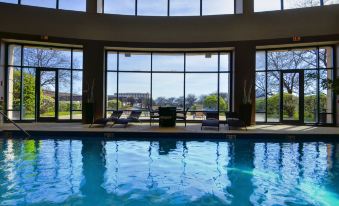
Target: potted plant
[89,104]
[329,84]
[246,105]
[333,84]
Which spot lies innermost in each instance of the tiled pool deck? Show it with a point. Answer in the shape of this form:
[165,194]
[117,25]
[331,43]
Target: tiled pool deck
[180,129]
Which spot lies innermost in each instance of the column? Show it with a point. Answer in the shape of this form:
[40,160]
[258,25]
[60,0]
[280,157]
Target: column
[337,72]
[244,6]
[244,72]
[93,81]
[92,6]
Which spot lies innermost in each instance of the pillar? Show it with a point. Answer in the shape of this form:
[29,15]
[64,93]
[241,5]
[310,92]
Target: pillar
[244,7]
[337,75]
[93,77]
[244,71]
[92,6]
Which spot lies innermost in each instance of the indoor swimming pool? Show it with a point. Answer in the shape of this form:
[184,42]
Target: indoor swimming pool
[96,171]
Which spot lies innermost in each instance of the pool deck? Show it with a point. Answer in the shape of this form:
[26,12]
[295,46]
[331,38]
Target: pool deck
[180,130]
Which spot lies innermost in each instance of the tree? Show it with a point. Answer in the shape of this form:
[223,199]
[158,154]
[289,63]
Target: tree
[190,100]
[42,58]
[211,103]
[289,59]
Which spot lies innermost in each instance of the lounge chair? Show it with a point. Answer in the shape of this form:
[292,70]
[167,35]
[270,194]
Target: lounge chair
[212,120]
[153,114]
[233,120]
[133,117]
[182,115]
[103,121]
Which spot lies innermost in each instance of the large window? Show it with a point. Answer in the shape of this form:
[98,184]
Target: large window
[168,7]
[75,5]
[291,85]
[265,5]
[199,82]
[59,71]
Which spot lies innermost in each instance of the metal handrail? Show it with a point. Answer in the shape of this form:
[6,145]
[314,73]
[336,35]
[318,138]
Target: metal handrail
[17,126]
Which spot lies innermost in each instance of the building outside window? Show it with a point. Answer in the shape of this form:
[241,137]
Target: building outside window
[199,82]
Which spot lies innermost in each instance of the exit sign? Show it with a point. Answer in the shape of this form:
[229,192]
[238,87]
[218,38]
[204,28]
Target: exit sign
[296,38]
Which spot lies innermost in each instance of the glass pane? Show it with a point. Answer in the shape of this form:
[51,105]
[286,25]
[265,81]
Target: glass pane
[112,61]
[292,59]
[260,95]
[77,59]
[75,5]
[326,97]
[326,57]
[168,62]
[310,97]
[202,62]
[293,4]
[14,55]
[14,92]
[329,2]
[168,90]
[134,91]
[201,87]
[225,62]
[152,7]
[47,57]
[112,91]
[224,94]
[64,94]
[273,97]
[40,3]
[77,94]
[184,7]
[28,101]
[125,7]
[10,1]
[291,96]
[260,61]
[217,7]
[266,5]
[134,62]
[47,93]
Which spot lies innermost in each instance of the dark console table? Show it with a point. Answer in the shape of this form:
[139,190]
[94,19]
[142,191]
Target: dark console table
[167,116]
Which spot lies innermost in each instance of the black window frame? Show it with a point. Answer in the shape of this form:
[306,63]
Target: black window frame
[21,66]
[168,9]
[184,72]
[57,6]
[317,69]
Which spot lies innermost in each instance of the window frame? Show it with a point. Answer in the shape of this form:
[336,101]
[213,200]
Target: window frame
[316,69]
[184,72]
[22,67]
[168,9]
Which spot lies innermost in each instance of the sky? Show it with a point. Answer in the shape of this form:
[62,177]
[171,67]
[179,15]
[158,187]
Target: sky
[167,84]
[177,7]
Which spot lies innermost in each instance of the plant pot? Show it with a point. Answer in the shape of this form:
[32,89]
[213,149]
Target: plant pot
[88,114]
[246,113]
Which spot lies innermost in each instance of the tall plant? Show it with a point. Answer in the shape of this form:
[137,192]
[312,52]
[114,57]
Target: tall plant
[90,90]
[331,84]
[247,93]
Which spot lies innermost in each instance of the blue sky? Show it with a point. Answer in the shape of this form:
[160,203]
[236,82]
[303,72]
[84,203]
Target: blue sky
[167,84]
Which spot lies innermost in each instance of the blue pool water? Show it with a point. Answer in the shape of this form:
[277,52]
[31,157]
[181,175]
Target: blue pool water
[167,172]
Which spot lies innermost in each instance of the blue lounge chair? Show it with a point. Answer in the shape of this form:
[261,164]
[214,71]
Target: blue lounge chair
[212,120]
[133,117]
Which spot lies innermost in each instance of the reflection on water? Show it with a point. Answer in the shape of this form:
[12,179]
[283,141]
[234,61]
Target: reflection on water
[167,172]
